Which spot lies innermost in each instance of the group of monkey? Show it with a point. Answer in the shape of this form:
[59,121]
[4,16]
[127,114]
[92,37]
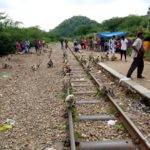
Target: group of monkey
[87,63]
[50,64]
[66,72]
[66,81]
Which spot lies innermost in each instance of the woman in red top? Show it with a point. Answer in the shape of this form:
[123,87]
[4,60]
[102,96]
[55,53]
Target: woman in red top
[18,47]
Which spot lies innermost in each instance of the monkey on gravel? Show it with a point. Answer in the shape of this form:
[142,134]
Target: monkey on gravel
[65,54]
[50,53]
[35,67]
[50,64]
[6,66]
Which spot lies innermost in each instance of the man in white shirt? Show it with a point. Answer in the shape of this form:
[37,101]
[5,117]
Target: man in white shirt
[124,45]
[137,54]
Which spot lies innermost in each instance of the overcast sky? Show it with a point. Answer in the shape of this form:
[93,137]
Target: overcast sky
[50,13]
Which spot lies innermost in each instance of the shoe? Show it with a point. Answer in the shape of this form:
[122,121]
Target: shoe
[141,77]
[129,77]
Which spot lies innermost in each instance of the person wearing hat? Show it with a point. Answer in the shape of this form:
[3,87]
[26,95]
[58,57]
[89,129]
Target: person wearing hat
[137,54]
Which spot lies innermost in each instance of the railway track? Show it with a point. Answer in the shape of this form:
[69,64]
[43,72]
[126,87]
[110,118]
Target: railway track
[98,120]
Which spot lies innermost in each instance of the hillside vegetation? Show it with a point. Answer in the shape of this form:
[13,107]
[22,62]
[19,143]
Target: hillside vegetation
[76,26]
[79,25]
[10,32]
[72,26]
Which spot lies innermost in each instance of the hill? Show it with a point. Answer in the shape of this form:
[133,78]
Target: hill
[73,25]
[82,26]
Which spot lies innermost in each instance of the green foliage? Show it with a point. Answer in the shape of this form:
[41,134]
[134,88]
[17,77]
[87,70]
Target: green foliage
[78,135]
[129,51]
[100,94]
[121,127]
[10,32]
[83,27]
[74,114]
[76,25]
[122,106]
[147,56]
[147,36]
[7,43]
[71,90]
[111,111]
[66,126]
[63,95]
[54,36]
[86,29]
[112,24]
[131,24]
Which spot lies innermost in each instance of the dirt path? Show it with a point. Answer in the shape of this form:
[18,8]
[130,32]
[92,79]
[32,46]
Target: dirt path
[33,100]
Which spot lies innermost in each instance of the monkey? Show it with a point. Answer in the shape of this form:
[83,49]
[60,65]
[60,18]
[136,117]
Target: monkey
[65,54]
[50,53]
[9,57]
[6,66]
[83,60]
[35,67]
[113,58]
[66,69]
[50,64]
[87,67]
[97,60]
[70,101]
[91,57]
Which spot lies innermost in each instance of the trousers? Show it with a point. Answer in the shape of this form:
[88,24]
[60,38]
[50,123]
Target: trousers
[138,63]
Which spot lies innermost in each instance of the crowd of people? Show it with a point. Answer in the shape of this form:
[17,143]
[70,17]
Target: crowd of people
[24,47]
[108,46]
[119,45]
[112,45]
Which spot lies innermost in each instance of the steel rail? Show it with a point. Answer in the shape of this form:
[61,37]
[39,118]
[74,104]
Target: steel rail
[136,134]
[72,138]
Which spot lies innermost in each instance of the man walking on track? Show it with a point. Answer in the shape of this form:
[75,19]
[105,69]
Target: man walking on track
[137,54]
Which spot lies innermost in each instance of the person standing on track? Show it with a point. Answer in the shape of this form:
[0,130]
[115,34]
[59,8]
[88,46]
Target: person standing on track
[137,54]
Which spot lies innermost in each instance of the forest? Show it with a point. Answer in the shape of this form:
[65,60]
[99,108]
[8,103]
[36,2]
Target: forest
[76,26]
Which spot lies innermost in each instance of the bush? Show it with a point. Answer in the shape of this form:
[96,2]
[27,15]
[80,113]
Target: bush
[147,56]
[7,43]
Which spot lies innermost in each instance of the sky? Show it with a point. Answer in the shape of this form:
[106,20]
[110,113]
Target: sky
[47,14]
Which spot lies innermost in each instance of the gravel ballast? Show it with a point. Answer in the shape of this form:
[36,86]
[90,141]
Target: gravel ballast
[32,99]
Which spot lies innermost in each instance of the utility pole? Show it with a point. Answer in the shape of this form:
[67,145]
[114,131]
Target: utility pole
[148,15]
